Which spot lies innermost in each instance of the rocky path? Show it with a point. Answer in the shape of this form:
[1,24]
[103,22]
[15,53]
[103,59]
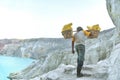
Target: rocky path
[91,72]
[68,72]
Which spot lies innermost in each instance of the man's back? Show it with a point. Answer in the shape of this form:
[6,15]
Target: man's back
[80,37]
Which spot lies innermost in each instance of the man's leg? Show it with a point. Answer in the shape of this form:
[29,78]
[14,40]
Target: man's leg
[80,51]
[79,68]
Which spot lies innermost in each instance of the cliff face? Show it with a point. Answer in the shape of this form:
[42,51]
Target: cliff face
[56,62]
[114,12]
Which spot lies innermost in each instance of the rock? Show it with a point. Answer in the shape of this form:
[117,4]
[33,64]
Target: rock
[114,12]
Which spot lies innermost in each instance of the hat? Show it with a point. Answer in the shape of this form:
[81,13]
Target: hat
[79,28]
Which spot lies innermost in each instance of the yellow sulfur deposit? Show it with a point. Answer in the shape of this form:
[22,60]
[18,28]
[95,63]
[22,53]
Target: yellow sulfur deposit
[87,33]
[89,27]
[67,27]
[94,27]
[67,31]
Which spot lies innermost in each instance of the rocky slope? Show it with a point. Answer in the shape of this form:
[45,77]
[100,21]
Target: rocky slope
[56,62]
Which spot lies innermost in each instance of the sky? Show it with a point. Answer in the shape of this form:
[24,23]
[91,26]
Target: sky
[23,19]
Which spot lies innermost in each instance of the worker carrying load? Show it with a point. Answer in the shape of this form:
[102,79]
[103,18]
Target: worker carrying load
[78,43]
[79,40]
[67,31]
[94,31]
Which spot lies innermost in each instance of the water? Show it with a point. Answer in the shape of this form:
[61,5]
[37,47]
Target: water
[12,64]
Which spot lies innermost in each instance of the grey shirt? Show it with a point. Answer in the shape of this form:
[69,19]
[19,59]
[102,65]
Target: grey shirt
[80,37]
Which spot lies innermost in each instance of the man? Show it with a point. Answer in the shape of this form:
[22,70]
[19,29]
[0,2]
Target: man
[79,37]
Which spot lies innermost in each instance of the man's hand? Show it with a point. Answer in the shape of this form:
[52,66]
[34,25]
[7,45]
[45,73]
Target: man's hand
[73,51]
[73,46]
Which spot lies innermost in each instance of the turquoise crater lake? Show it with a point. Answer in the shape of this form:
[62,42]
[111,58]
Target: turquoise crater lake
[12,64]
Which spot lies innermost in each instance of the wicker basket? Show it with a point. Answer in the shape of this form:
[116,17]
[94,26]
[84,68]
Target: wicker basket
[93,33]
[67,34]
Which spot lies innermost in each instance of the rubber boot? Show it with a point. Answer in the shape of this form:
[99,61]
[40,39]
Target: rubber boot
[79,74]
